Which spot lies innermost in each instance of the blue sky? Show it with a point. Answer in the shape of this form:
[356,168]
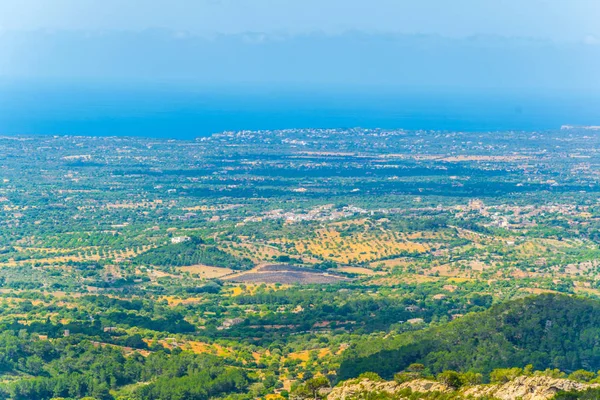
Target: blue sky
[517,45]
[572,20]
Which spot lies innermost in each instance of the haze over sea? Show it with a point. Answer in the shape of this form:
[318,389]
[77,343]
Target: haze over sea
[186,112]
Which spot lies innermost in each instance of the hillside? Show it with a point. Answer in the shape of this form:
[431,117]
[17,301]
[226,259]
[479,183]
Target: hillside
[547,331]
[191,252]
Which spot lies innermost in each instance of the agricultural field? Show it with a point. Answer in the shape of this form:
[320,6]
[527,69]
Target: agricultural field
[275,259]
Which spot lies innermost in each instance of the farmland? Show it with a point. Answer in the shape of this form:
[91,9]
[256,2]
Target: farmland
[272,257]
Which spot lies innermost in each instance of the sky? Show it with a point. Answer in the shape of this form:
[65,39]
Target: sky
[471,44]
[559,20]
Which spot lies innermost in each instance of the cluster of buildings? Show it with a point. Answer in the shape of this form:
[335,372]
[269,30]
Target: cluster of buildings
[321,213]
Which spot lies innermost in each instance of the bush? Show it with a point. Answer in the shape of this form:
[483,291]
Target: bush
[372,376]
[415,368]
[582,375]
[450,378]
[552,373]
[503,375]
[402,377]
[471,378]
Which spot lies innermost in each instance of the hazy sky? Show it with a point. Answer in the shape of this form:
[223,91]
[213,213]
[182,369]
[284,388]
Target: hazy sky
[573,20]
[474,44]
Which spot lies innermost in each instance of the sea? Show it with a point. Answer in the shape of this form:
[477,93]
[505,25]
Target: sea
[180,111]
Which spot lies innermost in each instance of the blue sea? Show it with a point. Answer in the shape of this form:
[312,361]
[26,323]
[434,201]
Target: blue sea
[182,112]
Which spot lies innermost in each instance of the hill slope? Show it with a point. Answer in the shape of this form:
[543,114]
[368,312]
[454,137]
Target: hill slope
[191,252]
[548,331]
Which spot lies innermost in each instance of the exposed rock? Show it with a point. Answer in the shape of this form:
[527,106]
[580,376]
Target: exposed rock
[524,388]
[425,386]
[527,388]
[354,388]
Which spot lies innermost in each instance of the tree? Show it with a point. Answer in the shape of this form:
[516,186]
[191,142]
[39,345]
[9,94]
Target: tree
[311,388]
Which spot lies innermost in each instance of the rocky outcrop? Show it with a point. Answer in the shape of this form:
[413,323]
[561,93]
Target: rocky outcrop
[425,386]
[524,388]
[353,389]
[527,388]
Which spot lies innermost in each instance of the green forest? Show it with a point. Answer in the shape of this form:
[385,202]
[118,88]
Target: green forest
[546,331]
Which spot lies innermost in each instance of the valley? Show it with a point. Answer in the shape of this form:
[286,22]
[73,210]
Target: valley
[265,264]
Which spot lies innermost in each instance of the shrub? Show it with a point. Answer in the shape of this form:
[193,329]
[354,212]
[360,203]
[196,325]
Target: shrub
[450,378]
[372,376]
[471,378]
[402,377]
[503,375]
[582,375]
[415,368]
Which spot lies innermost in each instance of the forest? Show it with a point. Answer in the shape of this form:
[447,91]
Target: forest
[529,331]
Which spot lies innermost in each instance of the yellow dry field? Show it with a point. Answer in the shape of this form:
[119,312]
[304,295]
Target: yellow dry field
[360,271]
[175,301]
[207,348]
[460,280]
[305,354]
[198,208]
[251,288]
[171,343]
[428,235]
[207,272]
[14,301]
[357,247]
[236,291]
[204,348]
